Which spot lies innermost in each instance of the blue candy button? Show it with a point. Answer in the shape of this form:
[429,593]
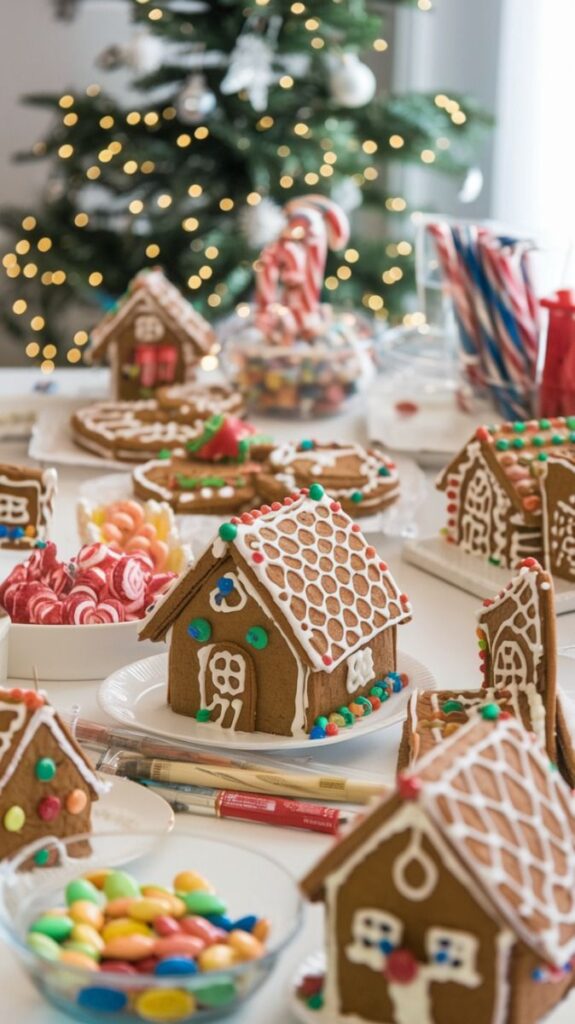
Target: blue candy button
[104,1000]
[176,965]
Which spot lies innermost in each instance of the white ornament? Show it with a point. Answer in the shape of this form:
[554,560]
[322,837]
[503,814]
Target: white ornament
[472,185]
[250,69]
[196,101]
[351,82]
[144,53]
[263,223]
[348,195]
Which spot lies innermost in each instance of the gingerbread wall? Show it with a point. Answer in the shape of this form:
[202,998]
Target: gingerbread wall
[327,691]
[26,791]
[129,388]
[532,1000]
[276,666]
[363,991]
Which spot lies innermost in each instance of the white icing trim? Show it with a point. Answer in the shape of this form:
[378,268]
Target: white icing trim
[219,699]
[223,606]
[19,712]
[360,669]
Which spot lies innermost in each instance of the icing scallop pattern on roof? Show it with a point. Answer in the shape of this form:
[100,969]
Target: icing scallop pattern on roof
[318,567]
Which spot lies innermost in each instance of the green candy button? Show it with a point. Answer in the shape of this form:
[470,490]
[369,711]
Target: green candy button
[316,492]
[203,715]
[200,902]
[490,712]
[200,630]
[257,637]
[45,769]
[356,497]
[228,531]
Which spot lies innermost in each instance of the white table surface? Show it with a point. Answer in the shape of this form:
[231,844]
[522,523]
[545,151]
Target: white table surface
[442,635]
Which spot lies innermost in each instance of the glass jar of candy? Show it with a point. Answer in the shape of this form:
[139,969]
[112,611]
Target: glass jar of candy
[282,374]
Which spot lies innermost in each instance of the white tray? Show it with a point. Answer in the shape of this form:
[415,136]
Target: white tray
[470,573]
[51,442]
[128,807]
[136,696]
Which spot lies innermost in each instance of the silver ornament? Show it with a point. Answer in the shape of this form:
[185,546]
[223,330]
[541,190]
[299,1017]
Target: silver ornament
[196,101]
[351,82]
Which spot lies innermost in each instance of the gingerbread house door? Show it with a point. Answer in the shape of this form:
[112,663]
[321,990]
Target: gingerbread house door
[228,686]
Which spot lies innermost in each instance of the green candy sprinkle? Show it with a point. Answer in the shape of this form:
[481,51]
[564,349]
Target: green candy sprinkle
[384,696]
[45,769]
[41,858]
[482,644]
[356,497]
[544,424]
[557,439]
[383,471]
[538,441]
[316,492]
[363,701]
[502,445]
[203,715]
[494,560]
[321,721]
[200,630]
[228,531]
[257,637]
[315,1002]
[518,427]
[164,453]
[450,706]
[490,712]
[542,457]
[307,446]
[518,442]
[376,691]
[570,422]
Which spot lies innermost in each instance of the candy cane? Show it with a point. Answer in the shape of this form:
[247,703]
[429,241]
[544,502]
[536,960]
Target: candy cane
[336,221]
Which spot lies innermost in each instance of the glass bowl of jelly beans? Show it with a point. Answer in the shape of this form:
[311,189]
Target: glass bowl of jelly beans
[185,932]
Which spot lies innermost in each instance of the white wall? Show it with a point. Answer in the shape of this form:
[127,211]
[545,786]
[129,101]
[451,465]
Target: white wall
[41,54]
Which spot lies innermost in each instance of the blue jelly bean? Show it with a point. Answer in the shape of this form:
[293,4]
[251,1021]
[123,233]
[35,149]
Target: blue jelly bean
[397,687]
[246,924]
[317,733]
[176,965]
[220,921]
[104,1000]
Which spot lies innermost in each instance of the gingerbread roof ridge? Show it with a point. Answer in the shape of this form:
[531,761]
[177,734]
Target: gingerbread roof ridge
[527,567]
[23,730]
[154,285]
[280,546]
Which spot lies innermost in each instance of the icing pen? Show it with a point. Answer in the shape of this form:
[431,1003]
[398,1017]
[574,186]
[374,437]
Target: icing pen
[336,789]
[252,807]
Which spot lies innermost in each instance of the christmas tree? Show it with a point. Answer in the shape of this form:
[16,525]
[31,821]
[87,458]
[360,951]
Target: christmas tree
[243,106]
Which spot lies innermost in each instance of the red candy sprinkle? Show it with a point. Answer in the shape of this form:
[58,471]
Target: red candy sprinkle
[451,508]
[265,509]
[401,967]
[370,552]
[331,729]
[487,602]
[383,566]
[276,505]
[246,517]
[335,506]
[408,786]
[482,434]
[327,660]
[356,527]
[288,500]
[235,520]
[311,985]
[530,563]
[257,557]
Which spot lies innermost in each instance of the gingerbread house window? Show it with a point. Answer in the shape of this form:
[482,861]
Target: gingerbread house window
[454,954]
[13,509]
[228,673]
[148,328]
[360,670]
[228,595]
[375,933]
[510,665]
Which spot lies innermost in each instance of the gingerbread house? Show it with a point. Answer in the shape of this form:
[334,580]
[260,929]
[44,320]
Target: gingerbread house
[517,651]
[47,786]
[454,898]
[493,488]
[558,497]
[26,504]
[289,614]
[153,337]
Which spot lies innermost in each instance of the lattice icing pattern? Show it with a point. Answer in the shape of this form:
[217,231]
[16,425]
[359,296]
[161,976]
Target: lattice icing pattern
[330,584]
[512,820]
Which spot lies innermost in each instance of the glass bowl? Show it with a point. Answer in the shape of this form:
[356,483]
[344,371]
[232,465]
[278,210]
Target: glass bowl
[249,883]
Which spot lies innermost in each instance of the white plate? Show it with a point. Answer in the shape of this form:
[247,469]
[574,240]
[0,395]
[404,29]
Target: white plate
[473,574]
[136,696]
[52,443]
[128,807]
[198,530]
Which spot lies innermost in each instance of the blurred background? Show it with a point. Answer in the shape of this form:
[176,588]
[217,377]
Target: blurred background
[466,114]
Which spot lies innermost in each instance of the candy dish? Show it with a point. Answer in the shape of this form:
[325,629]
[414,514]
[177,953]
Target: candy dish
[73,652]
[136,696]
[248,883]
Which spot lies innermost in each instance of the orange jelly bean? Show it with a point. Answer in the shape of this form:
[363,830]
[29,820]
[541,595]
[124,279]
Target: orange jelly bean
[86,912]
[169,945]
[129,947]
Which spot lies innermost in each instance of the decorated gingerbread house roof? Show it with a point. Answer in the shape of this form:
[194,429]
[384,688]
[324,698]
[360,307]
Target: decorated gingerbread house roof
[22,713]
[516,454]
[151,290]
[510,819]
[328,586]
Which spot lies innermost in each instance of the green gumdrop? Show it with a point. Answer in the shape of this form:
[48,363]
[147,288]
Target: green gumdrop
[203,715]
[118,884]
[451,705]
[55,926]
[315,1002]
[218,994]
[316,492]
[321,721]
[204,903]
[43,945]
[228,531]
[490,712]
[82,889]
[82,947]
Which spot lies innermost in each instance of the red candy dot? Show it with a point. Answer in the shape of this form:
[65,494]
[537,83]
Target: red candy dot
[335,506]
[288,500]
[408,786]
[331,729]
[327,660]
[246,518]
[304,490]
[235,519]
[265,509]
[505,715]
[383,566]
[375,702]
[452,508]
[482,434]
[257,557]
[404,598]
[49,808]
[529,563]
[276,505]
[401,967]
[255,513]
[356,527]
[487,602]
[370,552]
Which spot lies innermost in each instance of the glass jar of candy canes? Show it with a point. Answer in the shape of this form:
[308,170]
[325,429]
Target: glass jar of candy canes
[281,372]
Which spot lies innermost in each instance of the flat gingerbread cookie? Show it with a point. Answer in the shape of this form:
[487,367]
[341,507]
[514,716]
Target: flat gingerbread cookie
[131,431]
[196,401]
[196,487]
[364,481]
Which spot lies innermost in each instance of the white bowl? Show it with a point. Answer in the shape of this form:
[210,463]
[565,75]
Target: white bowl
[74,652]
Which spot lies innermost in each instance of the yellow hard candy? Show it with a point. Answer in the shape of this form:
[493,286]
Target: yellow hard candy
[87,933]
[189,881]
[97,878]
[165,1004]
[148,908]
[86,912]
[245,945]
[74,959]
[122,926]
[217,957]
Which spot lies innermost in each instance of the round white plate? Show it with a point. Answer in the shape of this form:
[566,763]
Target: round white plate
[136,696]
[128,808]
